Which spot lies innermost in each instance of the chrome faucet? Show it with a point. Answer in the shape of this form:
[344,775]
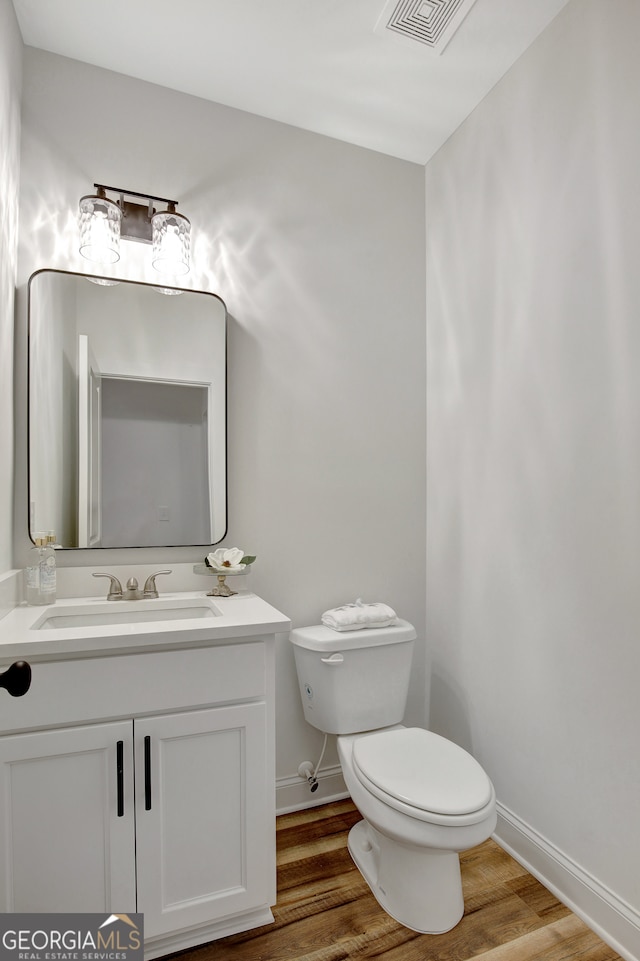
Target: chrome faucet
[132,592]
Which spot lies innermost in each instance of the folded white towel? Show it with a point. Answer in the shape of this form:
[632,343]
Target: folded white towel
[354,617]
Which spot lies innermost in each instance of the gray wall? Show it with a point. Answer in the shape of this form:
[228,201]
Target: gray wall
[155,444]
[53,490]
[10,87]
[533,453]
[317,247]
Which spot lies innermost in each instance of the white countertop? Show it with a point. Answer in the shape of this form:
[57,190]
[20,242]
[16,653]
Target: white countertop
[242,616]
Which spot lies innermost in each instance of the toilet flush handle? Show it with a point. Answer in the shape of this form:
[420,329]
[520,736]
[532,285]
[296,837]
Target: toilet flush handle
[334,659]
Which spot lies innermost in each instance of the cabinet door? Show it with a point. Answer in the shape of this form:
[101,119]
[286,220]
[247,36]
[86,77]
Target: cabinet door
[64,846]
[205,816]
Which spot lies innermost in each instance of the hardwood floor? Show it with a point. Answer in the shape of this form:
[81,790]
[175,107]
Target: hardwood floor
[325,911]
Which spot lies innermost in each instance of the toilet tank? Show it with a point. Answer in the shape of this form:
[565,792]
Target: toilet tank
[353,681]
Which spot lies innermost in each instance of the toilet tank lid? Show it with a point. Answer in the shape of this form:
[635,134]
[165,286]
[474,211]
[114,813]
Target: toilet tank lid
[321,638]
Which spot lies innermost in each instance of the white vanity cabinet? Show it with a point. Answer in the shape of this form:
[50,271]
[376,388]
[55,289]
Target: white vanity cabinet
[203,831]
[144,782]
[64,848]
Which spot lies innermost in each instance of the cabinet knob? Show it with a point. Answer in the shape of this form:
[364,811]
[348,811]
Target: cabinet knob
[16,680]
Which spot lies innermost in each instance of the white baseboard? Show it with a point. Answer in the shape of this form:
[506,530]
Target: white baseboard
[613,920]
[201,935]
[294,794]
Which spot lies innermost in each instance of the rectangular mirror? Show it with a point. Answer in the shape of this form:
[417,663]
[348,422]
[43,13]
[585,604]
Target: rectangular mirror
[127,413]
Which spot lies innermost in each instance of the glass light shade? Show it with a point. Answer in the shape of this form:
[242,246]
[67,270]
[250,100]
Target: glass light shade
[100,229]
[171,237]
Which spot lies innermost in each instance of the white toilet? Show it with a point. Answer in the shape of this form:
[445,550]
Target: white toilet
[423,798]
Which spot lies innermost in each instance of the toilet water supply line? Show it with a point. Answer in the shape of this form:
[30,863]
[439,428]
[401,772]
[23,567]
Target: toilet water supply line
[311,773]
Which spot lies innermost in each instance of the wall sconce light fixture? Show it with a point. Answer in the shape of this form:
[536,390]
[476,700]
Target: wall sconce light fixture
[104,221]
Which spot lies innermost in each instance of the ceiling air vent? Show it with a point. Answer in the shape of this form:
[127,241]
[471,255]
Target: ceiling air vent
[430,22]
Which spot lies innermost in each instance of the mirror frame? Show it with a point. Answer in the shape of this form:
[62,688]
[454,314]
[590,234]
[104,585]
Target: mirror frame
[30,412]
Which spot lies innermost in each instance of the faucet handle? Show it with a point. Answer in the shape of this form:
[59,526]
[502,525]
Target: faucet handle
[115,587]
[150,589]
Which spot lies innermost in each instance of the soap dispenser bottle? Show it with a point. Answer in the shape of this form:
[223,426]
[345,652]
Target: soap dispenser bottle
[40,586]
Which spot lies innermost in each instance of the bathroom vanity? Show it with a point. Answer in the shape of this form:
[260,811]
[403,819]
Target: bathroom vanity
[137,772]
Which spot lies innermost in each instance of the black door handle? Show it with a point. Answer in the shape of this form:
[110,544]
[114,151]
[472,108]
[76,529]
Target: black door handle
[120,776]
[16,679]
[147,773]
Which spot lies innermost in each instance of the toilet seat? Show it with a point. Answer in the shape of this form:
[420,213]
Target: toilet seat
[424,775]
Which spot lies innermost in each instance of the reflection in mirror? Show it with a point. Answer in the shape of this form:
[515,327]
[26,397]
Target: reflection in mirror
[127,418]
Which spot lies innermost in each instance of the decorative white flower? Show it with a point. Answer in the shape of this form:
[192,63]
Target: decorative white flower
[226,560]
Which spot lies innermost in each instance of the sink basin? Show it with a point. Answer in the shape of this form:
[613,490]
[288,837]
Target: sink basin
[125,612]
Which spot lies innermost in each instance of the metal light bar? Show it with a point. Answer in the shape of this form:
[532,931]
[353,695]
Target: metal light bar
[136,221]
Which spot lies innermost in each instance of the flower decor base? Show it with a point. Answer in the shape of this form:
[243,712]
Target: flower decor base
[222,589]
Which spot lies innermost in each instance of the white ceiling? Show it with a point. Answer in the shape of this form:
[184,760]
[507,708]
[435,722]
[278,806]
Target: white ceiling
[316,64]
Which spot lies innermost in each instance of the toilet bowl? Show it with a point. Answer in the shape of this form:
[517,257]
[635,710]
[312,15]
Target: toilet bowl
[423,798]
[406,852]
